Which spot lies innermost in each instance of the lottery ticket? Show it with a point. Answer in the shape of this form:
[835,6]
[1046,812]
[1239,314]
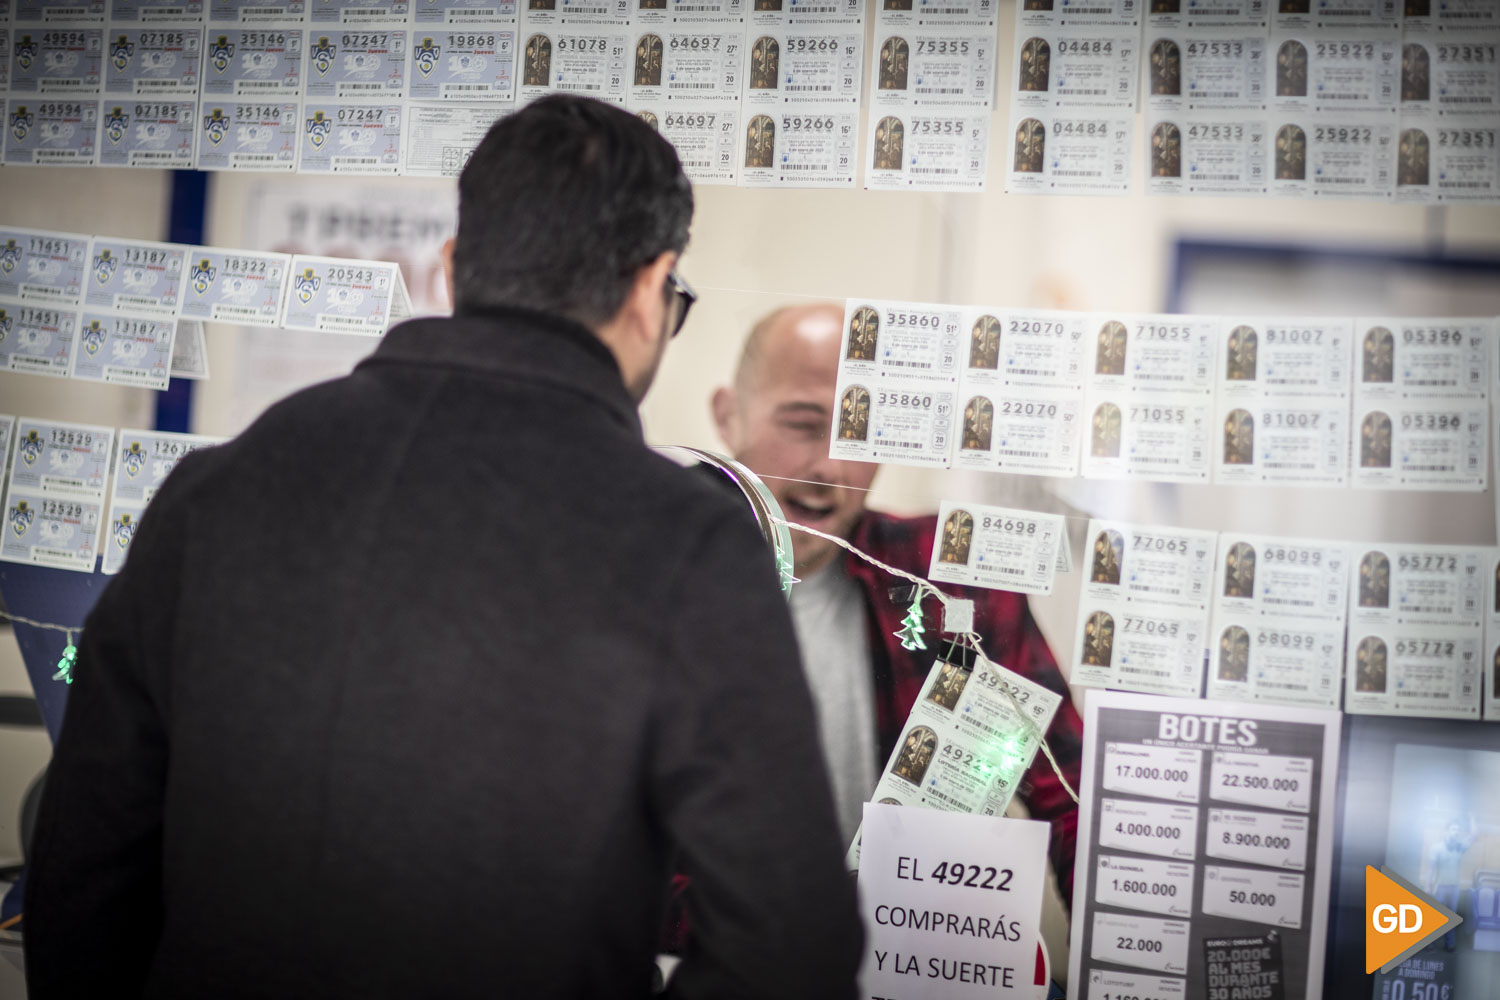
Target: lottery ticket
[441,137]
[1450,16]
[1046,13]
[335,295]
[1403,585]
[699,63]
[61,459]
[7,434]
[4,57]
[1086,68]
[147,457]
[1208,13]
[1279,440]
[1411,358]
[1489,667]
[350,138]
[1303,355]
[46,131]
[147,133]
[784,66]
[1450,74]
[1152,353]
[1413,670]
[1139,574]
[1073,152]
[321,12]
[1433,444]
[247,135]
[1205,68]
[1328,156]
[124,519]
[1207,152]
[474,65]
[1025,348]
[252,62]
[356,63]
[1158,438]
[706,137]
[594,62]
[799,147]
[156,11]
[943,67]
[1290,15]
[153,62]
[996,548]
[1031,431]
[799,13]
[59,11]
[1278,623]
[37,340]
[898,380]
[235,286]
[969,739]
[124,350]
[1448,160]
[55,61]
[1277,661]
[931,149]
[482,12]
[663,13]
[135,276]
[1343,73]
[42,530]
[37,266]
[284,13]
[952,13]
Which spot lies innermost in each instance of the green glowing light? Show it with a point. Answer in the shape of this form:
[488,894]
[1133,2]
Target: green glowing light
[65,665]
[910,632]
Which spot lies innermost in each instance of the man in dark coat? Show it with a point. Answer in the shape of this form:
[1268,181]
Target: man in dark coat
[419,687]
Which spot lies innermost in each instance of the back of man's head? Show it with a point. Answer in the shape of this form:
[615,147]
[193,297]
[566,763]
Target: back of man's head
[559,207]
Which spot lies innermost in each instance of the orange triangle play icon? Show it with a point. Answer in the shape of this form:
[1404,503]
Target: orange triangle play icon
[1400,920]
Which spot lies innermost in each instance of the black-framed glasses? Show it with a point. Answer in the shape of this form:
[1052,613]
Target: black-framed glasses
[684,296]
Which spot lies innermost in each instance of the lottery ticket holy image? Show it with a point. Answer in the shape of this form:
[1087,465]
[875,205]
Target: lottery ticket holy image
[1070,152]
[706,138]
[593,62]
[1341,73]
[37,339]
[1151,353]
[1281,439]
[799,147]
[1213,823]
[1162,438]
[919,67]
[1218,153]
[1029,431]
[1438,444]
[1084,69]
[898,380]
[1205,69]
[1333,156]
[996,547]
[1449,160]
[699,63]
[1455,74]
[929,150]
[1409,358]
[809,66]
[1147,590]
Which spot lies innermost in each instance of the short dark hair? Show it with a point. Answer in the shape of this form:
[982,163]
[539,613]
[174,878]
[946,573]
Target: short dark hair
[561,205]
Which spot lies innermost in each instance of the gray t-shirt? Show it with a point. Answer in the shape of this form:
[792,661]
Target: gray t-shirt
[829,616]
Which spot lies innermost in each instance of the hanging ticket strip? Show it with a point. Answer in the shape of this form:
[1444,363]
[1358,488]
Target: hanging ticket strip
[1361,99]
[1373,403]
[131,312]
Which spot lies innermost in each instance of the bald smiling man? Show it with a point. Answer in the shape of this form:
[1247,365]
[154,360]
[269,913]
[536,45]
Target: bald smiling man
[775,418]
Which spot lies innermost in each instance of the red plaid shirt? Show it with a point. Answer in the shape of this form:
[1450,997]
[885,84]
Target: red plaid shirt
[1011,638]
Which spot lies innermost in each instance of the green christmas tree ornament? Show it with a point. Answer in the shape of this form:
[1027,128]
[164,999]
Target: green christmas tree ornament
[910,632]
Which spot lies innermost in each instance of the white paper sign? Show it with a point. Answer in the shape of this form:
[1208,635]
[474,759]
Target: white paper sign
[951,903]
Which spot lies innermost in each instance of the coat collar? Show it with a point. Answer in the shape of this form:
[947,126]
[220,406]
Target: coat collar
[517,344]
